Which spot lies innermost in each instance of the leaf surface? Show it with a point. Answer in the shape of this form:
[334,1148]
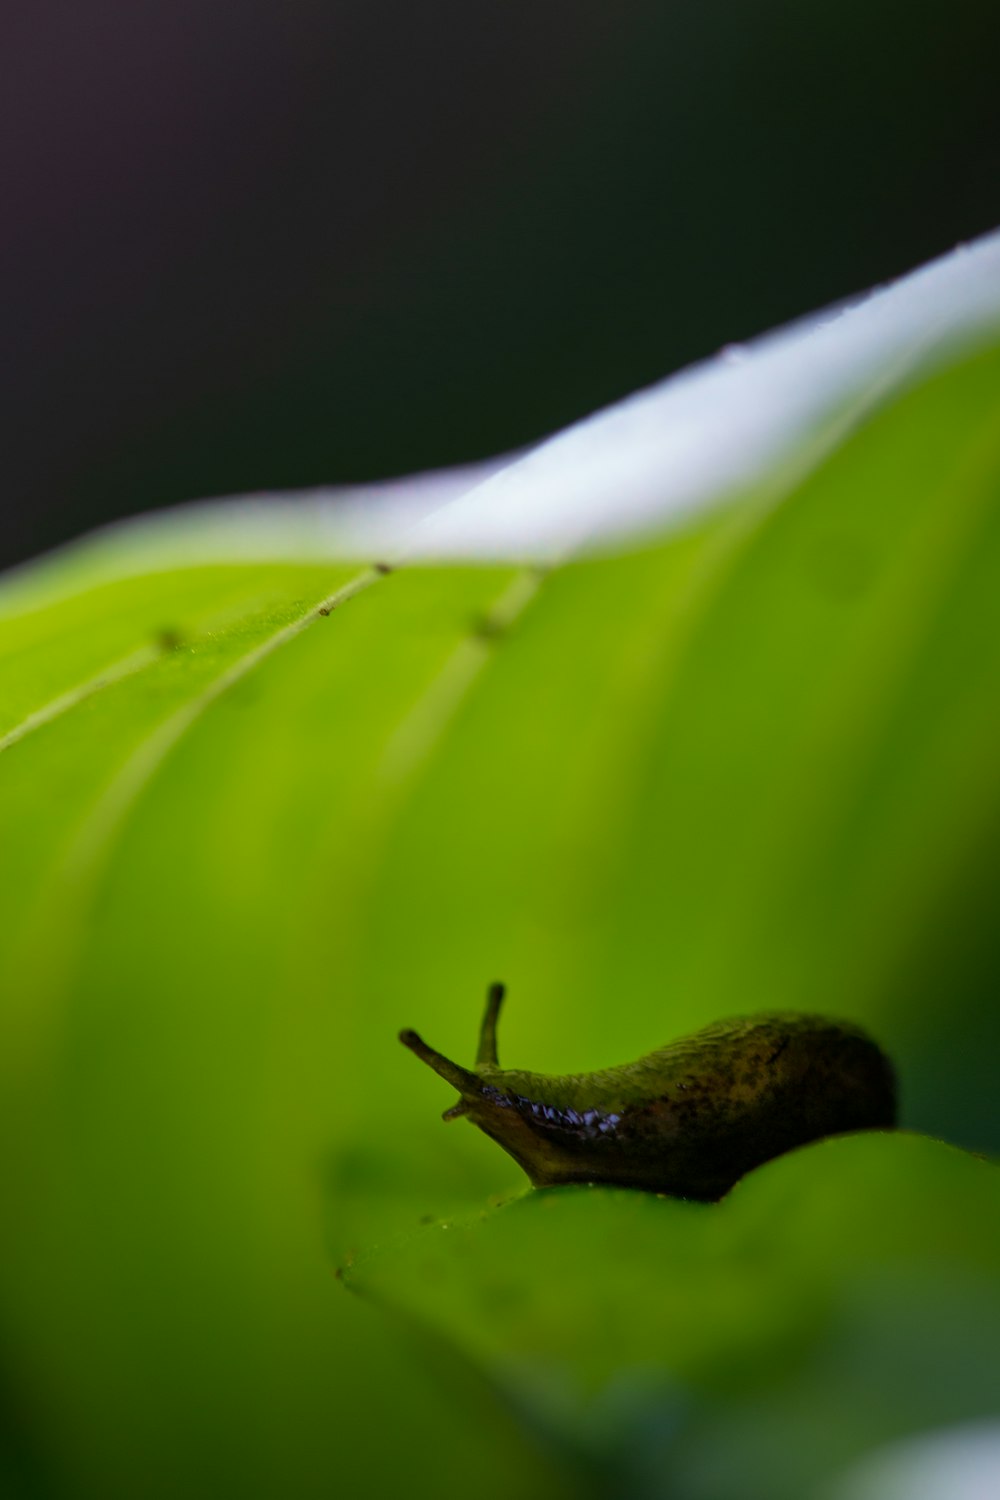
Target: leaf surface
[838,1298]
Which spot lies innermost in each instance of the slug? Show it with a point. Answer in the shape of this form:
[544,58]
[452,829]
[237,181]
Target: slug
[687,1120]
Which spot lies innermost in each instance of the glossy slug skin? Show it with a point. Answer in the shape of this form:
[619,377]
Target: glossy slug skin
[689,1119]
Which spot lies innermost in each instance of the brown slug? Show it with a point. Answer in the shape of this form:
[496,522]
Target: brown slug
[688,1119]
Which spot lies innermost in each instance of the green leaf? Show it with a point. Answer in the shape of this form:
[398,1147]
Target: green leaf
[835,1299]
[751,764]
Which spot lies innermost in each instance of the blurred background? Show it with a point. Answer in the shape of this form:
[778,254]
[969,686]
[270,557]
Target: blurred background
[248,245]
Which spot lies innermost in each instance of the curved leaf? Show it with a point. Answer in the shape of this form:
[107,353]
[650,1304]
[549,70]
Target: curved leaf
[244,840]
[843,1296]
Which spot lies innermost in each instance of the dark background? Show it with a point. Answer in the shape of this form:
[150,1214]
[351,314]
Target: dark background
[248,245]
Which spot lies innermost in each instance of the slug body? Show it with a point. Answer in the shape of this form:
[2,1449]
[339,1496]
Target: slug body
[689,1119]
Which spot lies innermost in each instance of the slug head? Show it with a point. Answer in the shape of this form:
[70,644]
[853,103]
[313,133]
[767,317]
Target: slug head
[487,1096]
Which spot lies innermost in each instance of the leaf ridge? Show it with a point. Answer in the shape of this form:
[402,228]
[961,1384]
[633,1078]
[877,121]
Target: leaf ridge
[427,722]
[123,791]
[89,847]
[109,676]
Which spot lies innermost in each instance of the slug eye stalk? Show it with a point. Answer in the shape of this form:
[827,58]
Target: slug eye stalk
[486,1055]
[459,1077]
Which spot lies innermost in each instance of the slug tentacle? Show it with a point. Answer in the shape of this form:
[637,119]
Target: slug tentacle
[688,1119]
[456,1075]
[486,1056]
